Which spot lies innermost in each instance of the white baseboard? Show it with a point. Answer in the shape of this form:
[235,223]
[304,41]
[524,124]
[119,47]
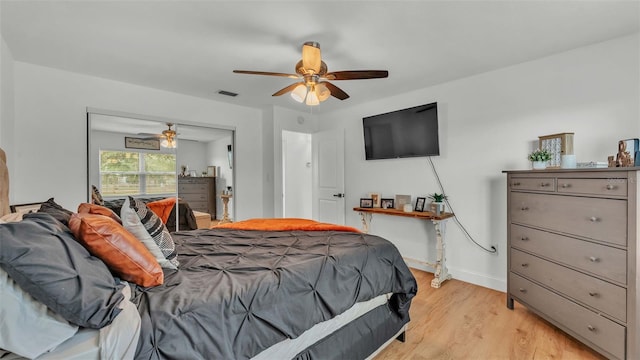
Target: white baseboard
[462,275]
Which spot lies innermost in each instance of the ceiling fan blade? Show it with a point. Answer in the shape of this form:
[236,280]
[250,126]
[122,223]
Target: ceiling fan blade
[287,89]
[311,56]
[357,74]
[336,92]
[148,136]
[292,76]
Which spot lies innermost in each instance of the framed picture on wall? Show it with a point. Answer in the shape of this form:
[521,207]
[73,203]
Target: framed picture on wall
[139,143]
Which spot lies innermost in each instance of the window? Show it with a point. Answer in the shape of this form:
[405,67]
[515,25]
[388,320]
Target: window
[137,173]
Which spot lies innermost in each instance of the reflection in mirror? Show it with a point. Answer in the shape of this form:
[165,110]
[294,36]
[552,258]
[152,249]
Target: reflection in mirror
[154,160]
[202,155]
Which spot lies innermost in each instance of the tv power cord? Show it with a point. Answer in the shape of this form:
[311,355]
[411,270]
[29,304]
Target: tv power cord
[491,250]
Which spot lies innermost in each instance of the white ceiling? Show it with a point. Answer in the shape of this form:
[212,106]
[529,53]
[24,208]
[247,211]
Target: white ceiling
[191,47]
[149,128]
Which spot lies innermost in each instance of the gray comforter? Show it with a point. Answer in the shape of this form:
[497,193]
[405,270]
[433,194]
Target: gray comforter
[239,292]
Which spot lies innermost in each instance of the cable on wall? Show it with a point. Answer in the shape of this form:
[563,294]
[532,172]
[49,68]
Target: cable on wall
[493,249]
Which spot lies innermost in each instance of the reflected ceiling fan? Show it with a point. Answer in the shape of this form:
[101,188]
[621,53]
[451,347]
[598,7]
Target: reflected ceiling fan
[168,137]
[314,87]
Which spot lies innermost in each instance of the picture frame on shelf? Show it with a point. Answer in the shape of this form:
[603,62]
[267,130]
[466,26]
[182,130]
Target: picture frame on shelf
[387,203]
[402,200]
[366,203]
[420,204]
[211,171]
[376,199]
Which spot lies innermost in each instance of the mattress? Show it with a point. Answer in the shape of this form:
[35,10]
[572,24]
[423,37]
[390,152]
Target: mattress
[85,345]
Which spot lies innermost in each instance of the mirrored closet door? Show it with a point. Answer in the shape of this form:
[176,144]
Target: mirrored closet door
[162,163]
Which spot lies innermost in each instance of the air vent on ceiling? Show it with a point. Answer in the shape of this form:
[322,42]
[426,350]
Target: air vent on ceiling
[228,93]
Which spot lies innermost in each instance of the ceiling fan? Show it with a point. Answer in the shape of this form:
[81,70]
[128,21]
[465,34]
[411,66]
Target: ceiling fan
[314,87]
[168,137]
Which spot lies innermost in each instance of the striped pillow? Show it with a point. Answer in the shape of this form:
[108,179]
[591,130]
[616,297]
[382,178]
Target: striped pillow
[156,229]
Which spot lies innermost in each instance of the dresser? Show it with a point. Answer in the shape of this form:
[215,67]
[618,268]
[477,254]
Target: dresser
[199,192]
[572,253]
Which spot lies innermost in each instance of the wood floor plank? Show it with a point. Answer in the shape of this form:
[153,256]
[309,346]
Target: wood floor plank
[464,321]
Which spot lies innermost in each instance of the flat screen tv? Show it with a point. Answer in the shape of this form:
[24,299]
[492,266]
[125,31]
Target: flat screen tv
[403,133]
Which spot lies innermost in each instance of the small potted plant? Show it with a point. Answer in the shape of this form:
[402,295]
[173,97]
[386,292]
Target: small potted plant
[539,159]
[437,205]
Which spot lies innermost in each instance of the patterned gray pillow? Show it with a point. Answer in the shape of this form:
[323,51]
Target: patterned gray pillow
[158,231]
[96,196]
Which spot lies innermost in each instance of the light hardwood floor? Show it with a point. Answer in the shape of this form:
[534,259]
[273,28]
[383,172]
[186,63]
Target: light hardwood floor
[464,321]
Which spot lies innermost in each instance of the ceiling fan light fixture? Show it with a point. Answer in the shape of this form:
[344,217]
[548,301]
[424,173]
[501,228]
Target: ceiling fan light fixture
[312,98]
[169,143]
[299,93]
[323,92]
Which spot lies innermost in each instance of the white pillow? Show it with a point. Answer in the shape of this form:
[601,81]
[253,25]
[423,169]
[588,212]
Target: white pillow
[27,327]
[131,221]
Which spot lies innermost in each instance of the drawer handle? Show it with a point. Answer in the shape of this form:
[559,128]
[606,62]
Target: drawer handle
[594,219]
[610,187]
[593,293]
[524,238]
[522,290]
[564,186]
[524,208]
[524,265]
[593,259]
[516,184]
[591,328]
[544,184]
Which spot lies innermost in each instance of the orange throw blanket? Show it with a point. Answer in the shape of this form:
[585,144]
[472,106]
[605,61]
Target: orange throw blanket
[285,224]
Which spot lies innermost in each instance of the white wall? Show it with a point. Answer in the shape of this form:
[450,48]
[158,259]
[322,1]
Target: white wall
[224,177]
[488,123]
[297,170]
[50,132]
[7,118]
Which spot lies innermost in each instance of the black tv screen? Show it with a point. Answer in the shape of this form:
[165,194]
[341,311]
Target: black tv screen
[403,133]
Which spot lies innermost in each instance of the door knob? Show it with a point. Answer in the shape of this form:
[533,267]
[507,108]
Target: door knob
[338,195]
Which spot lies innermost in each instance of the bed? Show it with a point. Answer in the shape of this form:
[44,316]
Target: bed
[294,289]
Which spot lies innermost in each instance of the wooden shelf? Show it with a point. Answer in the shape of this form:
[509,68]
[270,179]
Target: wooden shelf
[426,215]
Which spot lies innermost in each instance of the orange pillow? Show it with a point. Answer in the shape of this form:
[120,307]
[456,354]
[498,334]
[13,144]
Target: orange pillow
[162,208]
[98,210]
[122,252]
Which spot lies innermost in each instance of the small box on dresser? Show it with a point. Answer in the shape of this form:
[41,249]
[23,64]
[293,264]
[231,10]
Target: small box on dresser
[572,253]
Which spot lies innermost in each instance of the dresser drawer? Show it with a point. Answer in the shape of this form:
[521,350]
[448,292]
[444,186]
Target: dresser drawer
[601,260]
[598,330]
[612,187]
[193,197]
[593,218]
[192,188]
[538,184]
[202,206]
[601,295]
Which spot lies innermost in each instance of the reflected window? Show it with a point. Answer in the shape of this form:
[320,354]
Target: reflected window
[137,173]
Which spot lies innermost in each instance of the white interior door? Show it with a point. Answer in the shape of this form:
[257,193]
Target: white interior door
[328,176]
